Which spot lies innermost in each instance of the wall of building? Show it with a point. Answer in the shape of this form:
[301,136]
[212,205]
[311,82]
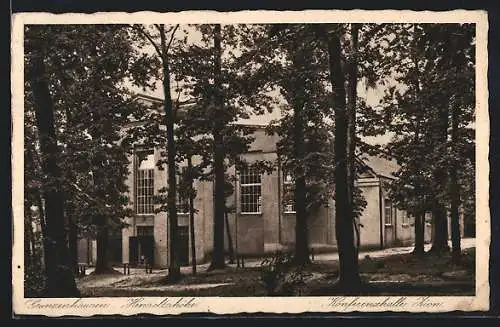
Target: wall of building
[85,251]
[252,234]
[198,223]
[160,220]
[319,223]
[370,218]
[272,228]
[206,195]
[404,230]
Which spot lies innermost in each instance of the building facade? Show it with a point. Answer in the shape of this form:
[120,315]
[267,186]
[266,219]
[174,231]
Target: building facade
[264,217]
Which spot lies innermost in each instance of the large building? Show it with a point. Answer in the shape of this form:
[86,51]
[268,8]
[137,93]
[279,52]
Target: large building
[264,219]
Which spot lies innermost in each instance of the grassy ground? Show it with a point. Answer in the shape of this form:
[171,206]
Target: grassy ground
[401,274]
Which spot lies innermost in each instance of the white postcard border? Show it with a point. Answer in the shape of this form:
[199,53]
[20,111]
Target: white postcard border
[225,305]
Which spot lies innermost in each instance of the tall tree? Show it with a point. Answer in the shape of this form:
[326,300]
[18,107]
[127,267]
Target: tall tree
[418,111]
[210,73]
[417,115]
[97,159]
[454,66]
[352,97]
[84,69]
[217,259]
[162,47]
[439,212]
[348,261]
[60,281]
[448,86]
[297,69]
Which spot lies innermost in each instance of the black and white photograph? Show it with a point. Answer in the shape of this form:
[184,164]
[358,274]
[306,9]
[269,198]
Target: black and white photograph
[194,163]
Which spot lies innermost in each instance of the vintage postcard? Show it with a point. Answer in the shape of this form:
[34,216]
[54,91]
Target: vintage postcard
[250,162]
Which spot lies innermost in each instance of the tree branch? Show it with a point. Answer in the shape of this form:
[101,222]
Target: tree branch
[149,38]
[172,36]
[177,104]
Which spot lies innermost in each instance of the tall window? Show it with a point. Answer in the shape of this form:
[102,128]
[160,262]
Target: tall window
[388,212]
[182,200]
[250,191]
[144,183]
[288,192]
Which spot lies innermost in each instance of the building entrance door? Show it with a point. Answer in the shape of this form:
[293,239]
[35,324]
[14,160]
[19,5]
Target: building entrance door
[141,250]
[141,247]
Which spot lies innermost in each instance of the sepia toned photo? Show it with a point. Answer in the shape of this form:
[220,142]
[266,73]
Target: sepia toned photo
[281,162]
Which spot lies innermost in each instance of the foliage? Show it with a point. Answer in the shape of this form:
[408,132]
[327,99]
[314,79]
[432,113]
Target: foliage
[86,67]
[86,73]
[281,275]
[425,76]
[300,77]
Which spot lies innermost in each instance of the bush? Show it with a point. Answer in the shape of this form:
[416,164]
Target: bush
[281,276]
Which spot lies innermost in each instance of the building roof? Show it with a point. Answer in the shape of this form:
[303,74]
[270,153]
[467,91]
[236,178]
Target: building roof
[264,142]
[380,166]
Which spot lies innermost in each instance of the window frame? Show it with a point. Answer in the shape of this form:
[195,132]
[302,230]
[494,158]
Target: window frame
[150,175]
[390,207]
[250,172]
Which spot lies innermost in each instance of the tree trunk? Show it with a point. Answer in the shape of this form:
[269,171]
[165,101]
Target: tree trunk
[217,261]
[102,262]
[60,280]
[455,188]
[191,217]
[419,234]
[301,255]
[301,232]
[351,135]
[419,213]
[174,269]
[348,261]
[440,221]
[439,214]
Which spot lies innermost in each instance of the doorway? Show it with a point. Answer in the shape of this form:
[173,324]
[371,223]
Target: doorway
[141,247]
